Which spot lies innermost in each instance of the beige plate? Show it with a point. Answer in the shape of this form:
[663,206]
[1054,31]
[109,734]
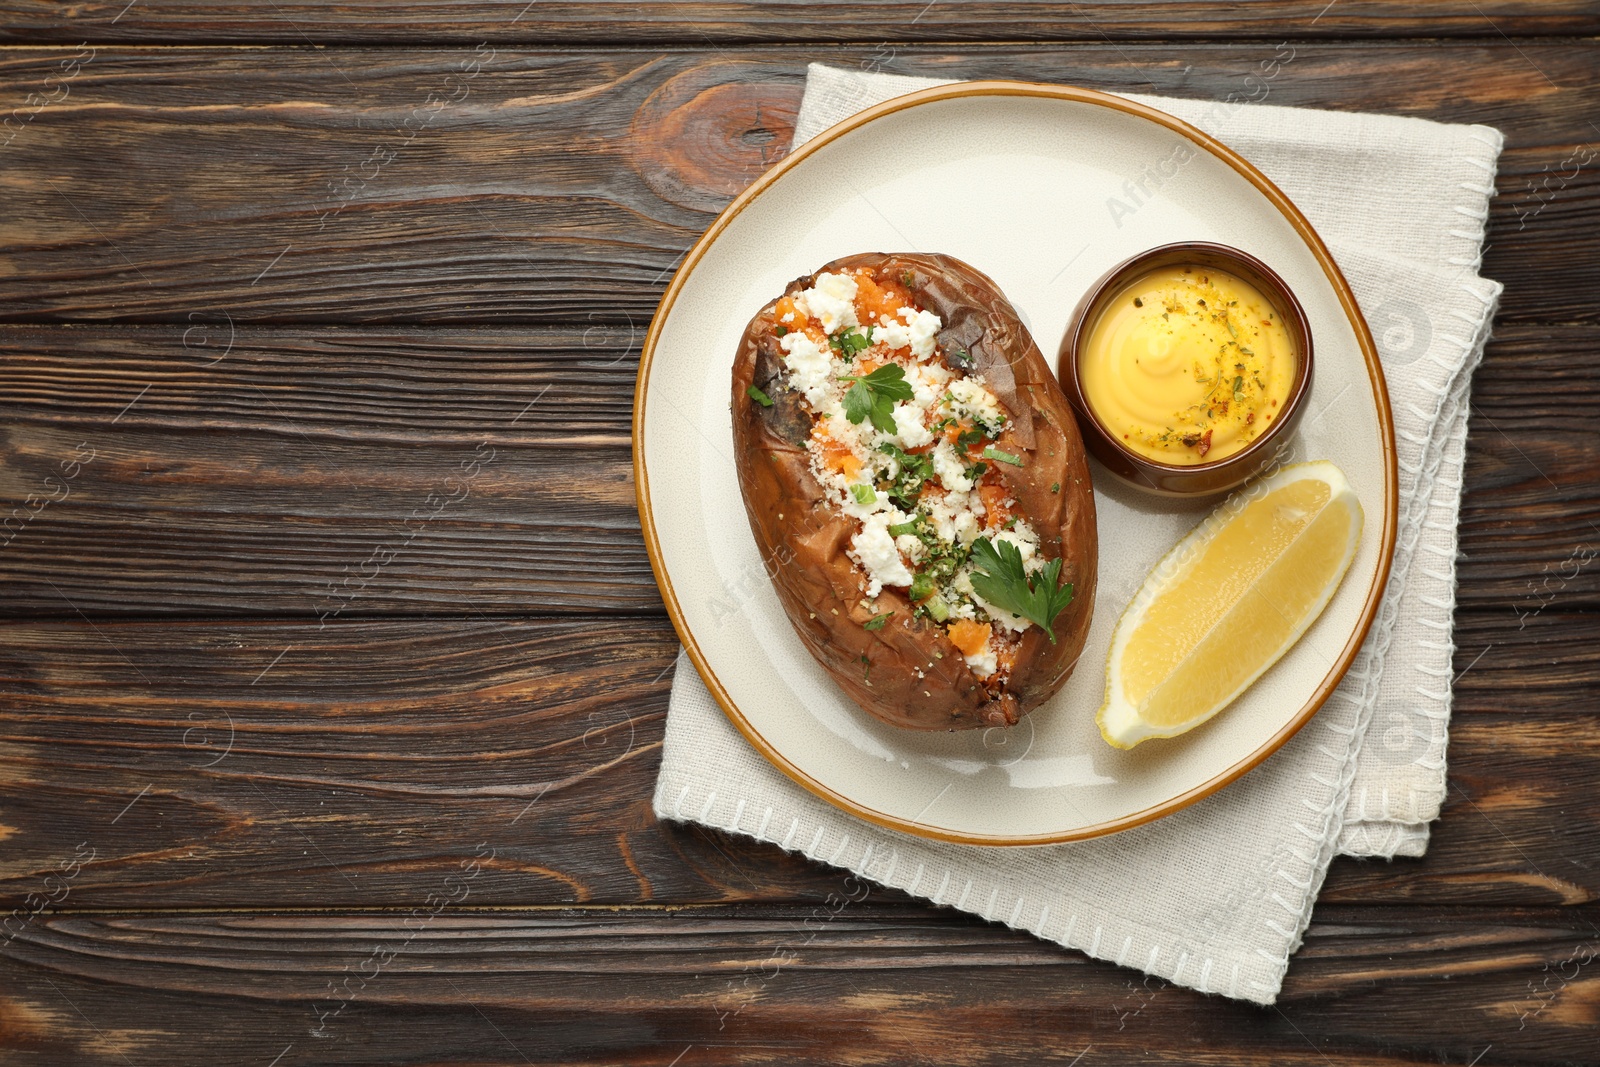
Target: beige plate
[1015,179]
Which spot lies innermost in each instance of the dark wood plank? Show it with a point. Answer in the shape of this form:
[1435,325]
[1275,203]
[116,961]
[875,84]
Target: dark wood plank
[556,186]
[837,982]
[351,763]
[357,764]
[322,473]
[295,471]
[701,23]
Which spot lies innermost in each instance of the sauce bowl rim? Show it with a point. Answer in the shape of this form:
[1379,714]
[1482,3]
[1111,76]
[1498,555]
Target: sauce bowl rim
[1087,314]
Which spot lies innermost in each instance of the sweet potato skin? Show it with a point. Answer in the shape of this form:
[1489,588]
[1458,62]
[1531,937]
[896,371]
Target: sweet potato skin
[908,673]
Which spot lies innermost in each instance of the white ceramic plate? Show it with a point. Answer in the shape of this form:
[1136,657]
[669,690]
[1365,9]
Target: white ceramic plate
[1017,180]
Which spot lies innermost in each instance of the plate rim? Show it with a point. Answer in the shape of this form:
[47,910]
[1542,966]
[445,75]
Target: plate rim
[1347,300]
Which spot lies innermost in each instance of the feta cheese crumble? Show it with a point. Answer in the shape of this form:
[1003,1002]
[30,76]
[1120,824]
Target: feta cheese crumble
[832,300]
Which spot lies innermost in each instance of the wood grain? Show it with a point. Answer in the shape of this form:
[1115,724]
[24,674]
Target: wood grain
[842,982]
[563,187]
[325,473]
[297,471]
[296,22]
[358,763]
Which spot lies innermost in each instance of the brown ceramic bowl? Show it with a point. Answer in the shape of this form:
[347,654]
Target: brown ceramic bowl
[1196,479]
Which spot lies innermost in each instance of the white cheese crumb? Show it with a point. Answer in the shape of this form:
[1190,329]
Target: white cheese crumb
[927,381]
[831,299]
[875,550]
[947,465]
[890,334]
[985,662]
[908,426]
[967,528]
[911,547]
[809,365]
[922,328]
[977,403]
[1027,542]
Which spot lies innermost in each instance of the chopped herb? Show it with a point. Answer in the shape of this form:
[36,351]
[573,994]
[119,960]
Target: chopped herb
[923,586]
[976,471]
[758,396]
[1055,487]
[780,331]
[877,621]
[1238,387]
[1138,303]
[848,342]
[872,396]
[1003,456]
[1229,324]
[906,278]
[1001,580]
[967,438]
[914,470]
[863,494]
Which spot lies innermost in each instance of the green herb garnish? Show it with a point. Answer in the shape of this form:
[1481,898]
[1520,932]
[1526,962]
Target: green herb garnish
[976,471]
[1055,487]
[848,342]
[1004,583]
[864,495]
[914,470]
[758,396]
[780,331]
[872,396]
[1004,457]
[923,586]
[967,438]
[877,621]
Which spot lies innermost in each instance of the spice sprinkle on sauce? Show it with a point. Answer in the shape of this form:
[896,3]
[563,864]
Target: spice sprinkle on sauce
[1188,365]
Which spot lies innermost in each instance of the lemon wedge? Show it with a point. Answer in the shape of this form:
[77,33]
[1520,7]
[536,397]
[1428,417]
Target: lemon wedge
[1228,601]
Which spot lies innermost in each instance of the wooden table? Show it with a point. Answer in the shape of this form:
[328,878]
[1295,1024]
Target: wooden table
[332,671]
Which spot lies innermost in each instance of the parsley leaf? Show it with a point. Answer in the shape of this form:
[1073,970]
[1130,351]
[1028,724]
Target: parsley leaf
[872,396]
[758,396]
[877,621]
[967,438]
[1001,580]
[888,380]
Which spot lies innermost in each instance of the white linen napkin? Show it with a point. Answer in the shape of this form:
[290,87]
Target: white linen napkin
[1217,896]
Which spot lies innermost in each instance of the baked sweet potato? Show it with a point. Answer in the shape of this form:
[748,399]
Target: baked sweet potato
[917,487]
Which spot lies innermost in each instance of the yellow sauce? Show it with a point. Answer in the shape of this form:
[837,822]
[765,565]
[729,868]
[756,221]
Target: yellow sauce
[1187,365]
